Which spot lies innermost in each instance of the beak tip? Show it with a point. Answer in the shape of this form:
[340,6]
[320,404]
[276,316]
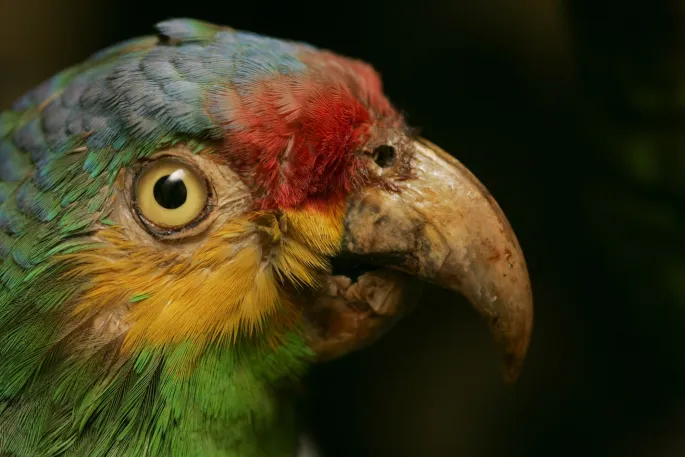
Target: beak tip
[515,352]
[512,333]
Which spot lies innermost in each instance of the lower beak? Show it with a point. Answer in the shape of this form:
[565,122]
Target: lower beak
[442,226]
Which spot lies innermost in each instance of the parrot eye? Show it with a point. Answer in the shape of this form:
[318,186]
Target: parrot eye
[170,195]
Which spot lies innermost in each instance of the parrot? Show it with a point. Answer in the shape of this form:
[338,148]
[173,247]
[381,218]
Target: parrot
[191,220]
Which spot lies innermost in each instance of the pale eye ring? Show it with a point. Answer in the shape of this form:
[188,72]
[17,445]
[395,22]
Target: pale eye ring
[171,195]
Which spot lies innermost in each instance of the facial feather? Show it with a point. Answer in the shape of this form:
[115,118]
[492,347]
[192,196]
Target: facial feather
[231,286]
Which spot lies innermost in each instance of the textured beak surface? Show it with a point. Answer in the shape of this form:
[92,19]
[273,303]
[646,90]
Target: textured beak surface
[442,226]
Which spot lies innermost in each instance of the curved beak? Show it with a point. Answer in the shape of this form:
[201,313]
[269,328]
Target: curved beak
[442,226]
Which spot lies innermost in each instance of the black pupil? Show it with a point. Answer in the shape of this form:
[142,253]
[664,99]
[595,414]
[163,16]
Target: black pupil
[170,192]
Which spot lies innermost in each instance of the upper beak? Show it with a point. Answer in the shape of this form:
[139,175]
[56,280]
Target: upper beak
[443,226]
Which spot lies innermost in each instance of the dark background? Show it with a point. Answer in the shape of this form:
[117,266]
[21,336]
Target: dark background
[573,114]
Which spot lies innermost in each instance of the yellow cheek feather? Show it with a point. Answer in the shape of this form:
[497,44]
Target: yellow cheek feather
[229,287]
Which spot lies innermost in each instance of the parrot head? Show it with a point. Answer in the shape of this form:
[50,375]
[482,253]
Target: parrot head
[209,208]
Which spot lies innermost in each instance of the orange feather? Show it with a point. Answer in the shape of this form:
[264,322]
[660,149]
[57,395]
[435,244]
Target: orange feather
[232,286]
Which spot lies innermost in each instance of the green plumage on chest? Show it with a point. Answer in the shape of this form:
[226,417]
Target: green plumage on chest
[157,404]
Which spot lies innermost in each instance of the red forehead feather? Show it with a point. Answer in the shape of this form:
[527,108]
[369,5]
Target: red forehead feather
[297,135]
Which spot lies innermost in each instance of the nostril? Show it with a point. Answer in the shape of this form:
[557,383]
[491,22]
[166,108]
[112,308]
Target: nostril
[384,155]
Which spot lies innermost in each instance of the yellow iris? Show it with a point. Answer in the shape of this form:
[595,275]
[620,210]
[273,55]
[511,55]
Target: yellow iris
[170,193]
